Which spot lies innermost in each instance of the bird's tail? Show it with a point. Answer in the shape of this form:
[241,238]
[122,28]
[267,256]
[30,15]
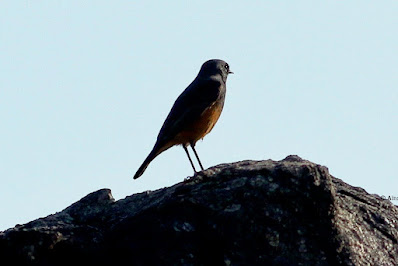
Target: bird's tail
[155,152]
[145,164]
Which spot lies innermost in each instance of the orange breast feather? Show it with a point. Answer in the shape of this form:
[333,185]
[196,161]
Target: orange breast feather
[200,128]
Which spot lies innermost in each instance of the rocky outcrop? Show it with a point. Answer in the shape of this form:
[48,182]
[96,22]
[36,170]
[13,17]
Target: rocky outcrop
[289,212]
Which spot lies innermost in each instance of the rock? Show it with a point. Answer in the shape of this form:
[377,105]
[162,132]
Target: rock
[289,212]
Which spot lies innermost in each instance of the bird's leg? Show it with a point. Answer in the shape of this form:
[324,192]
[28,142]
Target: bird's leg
[196,154]
[189,157]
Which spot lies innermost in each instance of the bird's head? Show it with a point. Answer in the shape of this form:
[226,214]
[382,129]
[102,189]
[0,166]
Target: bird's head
[215,67]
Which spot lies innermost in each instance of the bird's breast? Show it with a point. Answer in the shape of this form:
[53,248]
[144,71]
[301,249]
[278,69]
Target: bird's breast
[202,126]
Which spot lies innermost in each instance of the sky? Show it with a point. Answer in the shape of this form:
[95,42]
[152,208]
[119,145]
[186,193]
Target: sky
[86,85]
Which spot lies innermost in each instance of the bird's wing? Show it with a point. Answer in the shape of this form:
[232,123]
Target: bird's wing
[189,106]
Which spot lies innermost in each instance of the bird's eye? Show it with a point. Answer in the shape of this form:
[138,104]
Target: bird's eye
[226,66]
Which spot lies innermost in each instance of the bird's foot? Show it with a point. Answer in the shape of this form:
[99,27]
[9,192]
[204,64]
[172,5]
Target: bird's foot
[197,177]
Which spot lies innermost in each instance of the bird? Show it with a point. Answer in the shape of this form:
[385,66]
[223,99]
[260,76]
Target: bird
[194,113]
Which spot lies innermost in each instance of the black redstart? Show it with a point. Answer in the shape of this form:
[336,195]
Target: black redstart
[194,113]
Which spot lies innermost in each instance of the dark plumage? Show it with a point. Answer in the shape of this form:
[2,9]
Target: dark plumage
[194,113]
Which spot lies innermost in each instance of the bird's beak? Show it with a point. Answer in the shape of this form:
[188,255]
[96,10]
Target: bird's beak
[230,72]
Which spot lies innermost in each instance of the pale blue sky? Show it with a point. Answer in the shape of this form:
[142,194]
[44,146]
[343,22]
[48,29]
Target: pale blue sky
[86,85]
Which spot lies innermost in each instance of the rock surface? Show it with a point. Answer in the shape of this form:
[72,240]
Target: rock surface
[289,212]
